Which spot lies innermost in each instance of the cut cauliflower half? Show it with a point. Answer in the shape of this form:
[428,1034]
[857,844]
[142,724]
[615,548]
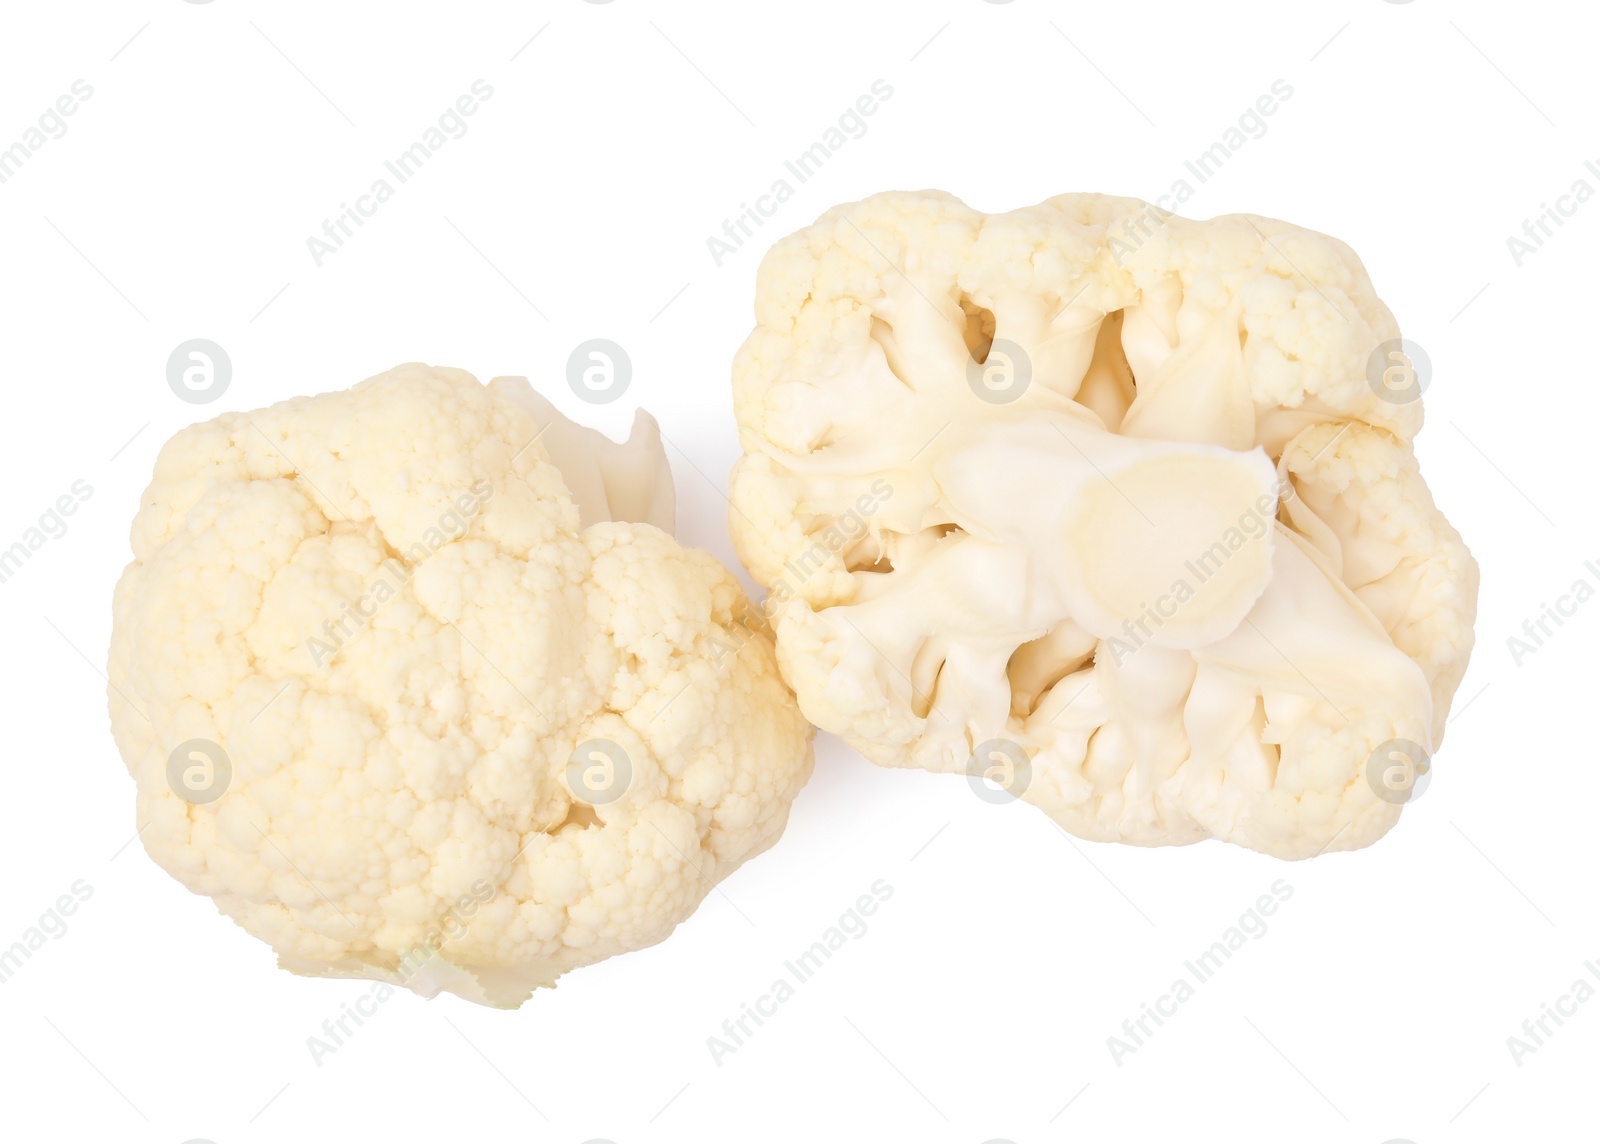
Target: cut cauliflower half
[415,682]
[1107,503]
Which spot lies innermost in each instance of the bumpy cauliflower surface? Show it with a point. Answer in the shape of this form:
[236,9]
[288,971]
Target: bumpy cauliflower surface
[1108,505]
[416,684]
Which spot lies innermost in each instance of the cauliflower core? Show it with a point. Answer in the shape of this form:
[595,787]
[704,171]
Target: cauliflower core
[1106,497]
[416,684]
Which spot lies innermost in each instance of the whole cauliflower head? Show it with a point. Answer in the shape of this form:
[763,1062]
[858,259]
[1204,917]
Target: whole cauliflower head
[1117,509]
[415,682]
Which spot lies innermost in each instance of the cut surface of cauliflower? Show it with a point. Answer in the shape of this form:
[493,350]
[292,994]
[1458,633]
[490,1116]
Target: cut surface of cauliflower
[1107,504]
[415,682]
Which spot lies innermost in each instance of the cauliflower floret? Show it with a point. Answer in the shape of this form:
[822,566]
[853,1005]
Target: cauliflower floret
[1108,500]
[416,684]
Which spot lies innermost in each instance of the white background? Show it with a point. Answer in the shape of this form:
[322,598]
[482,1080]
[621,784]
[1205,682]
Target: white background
[219,136]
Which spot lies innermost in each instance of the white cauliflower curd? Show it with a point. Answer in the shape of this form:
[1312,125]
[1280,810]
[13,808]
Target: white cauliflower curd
[416,684]
[1118,508]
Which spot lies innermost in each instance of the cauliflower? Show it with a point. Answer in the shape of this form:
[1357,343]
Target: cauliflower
[415,683]
[1116,509]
